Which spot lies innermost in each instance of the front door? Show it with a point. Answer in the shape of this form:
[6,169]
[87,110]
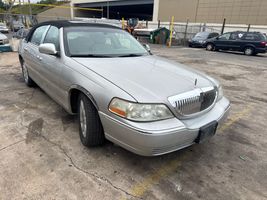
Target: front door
[52,66]
[223,42]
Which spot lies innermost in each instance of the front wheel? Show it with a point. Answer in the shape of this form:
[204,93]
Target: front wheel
[90,127]
[210,47]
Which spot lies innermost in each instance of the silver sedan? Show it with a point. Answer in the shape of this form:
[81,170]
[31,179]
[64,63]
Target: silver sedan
[120,91]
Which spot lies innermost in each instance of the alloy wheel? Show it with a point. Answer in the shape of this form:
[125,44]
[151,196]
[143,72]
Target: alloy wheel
[25,73]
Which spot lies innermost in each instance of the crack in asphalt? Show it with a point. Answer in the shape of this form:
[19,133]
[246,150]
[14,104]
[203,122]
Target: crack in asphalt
[21,123]
[10,145]
[26,106]
[86,172]
[66,154]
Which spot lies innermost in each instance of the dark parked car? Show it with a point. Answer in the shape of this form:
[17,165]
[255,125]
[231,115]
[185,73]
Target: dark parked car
[21,33]
[199,40]
[251,43]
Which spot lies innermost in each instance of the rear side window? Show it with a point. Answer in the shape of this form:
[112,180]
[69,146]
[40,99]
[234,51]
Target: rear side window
[38,35]
[52,36]
[251,37]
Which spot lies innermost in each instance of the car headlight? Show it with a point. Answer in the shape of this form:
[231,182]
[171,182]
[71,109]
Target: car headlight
[220,92]
[138,111]
[5,41]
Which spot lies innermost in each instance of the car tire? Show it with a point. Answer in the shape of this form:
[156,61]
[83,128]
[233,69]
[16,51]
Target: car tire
[249,51]
[90,127]
[27,79]
[210,47]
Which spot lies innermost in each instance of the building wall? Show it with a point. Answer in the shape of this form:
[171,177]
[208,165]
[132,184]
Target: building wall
[180,9]
[55,13]
[214,11]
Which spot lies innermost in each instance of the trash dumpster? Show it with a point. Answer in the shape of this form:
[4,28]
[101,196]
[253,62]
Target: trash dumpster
[159,36]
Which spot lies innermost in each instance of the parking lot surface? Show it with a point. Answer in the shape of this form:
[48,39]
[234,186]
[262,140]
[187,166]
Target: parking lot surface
[41,156]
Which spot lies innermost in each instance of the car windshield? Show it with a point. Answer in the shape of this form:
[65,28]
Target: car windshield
[202,35]
[101,42]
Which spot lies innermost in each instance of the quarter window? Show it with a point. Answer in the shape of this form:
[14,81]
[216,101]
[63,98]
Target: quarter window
[52,36]
[38,35]
[251,36]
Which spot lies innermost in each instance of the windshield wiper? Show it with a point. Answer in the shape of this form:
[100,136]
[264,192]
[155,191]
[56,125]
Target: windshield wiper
[91,56]
[131,55]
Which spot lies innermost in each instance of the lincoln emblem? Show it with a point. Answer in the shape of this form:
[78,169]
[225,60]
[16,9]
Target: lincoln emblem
[196,82]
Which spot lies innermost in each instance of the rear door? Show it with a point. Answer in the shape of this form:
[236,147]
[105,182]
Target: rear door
[236,41]
[31,54]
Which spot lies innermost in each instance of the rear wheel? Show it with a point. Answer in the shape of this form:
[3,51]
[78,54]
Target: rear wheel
[90,127]
[210,47]
[249,51]
[27,79]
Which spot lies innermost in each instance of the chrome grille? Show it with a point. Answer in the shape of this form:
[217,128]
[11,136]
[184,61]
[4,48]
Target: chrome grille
[193,102]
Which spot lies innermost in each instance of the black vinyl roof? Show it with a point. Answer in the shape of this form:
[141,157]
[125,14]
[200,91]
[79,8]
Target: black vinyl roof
[67,23]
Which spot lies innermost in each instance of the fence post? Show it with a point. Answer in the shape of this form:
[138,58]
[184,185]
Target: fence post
[122,23]
[158,23]
[185,31]
[224,20]
[146,24]
[248,28]
[170,42]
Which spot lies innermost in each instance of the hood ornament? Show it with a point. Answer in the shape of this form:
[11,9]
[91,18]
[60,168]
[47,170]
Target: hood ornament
[195,82]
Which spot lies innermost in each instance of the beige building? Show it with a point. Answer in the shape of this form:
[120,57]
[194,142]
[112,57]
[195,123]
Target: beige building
[211,11]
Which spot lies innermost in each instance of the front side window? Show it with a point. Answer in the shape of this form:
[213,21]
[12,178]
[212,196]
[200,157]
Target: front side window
[225,36]
[38,35]
[94,41]
[52,36]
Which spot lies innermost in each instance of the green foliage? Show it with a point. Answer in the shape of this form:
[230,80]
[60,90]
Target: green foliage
[2,5]
[24,9]
[47,1]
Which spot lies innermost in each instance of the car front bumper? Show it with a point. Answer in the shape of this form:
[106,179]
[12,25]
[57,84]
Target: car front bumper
[157,138]
[5,48]
[196,44]
[4,31]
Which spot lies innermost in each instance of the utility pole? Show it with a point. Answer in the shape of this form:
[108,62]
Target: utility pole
[20,11]
[108,9]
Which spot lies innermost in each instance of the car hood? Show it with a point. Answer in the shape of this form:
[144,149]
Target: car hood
[198,39]
[147,78]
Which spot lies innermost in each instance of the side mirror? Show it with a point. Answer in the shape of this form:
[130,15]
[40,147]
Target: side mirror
[48,48]
[147,47]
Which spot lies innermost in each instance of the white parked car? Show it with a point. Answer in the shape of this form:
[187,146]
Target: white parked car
[4,43]
[120,91]
[3,28]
